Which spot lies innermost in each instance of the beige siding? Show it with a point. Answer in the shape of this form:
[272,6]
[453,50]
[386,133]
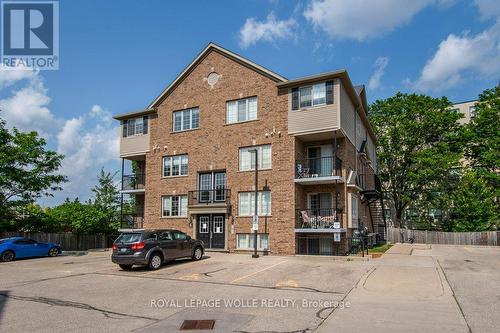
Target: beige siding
[464,109]
[347,115]
[371,152]
[134,145]
[361,134]
[314,119]
[354,128]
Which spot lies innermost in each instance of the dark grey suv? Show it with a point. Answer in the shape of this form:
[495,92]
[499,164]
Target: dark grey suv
[154,247]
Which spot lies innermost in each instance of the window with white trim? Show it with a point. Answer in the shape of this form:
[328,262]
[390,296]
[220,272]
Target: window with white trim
[312,95]
[246,203]
[245,241]
[247,157]
[354,210]
[135,126]
[472,111]
[175,165]
[241,110]
[184,120]
[174,206]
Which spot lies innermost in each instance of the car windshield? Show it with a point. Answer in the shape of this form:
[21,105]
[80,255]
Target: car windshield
[128,238]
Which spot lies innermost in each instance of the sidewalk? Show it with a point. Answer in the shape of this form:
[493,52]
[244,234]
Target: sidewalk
[402,292]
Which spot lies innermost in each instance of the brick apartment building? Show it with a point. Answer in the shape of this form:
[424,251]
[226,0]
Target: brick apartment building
[188,158]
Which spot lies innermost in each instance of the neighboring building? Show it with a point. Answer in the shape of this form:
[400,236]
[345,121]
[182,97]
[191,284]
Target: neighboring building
[467,109]
[193,169]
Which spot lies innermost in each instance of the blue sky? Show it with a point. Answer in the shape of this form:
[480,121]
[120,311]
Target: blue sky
[117,56]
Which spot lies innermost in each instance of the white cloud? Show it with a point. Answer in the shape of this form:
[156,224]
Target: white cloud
[269,30]
[96,109]
[27,108]
[380,65]
[459,56]
[9,77]
[88,142]
[67,139]
[361,19]
[488,8]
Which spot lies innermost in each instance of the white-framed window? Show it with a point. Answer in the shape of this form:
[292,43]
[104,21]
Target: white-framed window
[247,158]
[174,205]
[354,211]
[135,126]
[184,120]
[241,110]
[312,95]
[245,241]
[472,111]
[175,165]
[246,203]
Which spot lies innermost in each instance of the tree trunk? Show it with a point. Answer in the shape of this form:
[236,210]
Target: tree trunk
[399,214]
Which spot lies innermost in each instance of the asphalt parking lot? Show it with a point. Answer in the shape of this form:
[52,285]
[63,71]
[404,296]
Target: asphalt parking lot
[415,288]
[90,294]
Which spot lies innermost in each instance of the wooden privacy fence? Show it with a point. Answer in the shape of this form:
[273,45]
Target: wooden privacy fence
[398,235]
[68,240]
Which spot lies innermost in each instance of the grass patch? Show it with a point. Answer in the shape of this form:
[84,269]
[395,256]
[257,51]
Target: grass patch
[380,248]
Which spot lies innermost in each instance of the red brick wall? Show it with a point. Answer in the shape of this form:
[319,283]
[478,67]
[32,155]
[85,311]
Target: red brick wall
[215,146]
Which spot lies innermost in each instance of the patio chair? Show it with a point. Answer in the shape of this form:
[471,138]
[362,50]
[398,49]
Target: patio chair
[310,221]
[306,220]
[328,221]
[302,172]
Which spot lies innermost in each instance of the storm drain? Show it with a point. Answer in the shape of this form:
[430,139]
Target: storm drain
[197,325]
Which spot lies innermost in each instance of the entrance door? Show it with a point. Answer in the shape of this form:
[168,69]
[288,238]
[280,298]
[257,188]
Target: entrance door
[211,230]
[218,231]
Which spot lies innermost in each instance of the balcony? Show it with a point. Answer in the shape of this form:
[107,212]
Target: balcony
[132,221]
[209,201]
[134,183]
[323,220]
[319,170]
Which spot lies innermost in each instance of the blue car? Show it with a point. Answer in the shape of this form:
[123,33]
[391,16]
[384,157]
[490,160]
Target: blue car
[20,247]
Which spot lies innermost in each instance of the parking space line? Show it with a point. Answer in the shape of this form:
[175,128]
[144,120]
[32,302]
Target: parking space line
[288,283]
[194,276]
[260,271]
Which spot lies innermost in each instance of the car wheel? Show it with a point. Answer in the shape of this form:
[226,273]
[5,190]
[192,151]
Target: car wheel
[53,252]
[125,267]
[155,261]
[7,256]
[198,253]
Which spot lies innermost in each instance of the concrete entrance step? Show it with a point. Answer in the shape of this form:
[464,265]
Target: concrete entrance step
[217,250]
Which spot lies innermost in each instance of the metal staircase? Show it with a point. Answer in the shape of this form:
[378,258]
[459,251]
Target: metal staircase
[374,199]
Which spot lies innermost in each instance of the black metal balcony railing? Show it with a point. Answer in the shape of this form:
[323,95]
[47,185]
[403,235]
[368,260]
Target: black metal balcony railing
[323,218]
[132,221]
[217,196]
[318,167]
[134,182]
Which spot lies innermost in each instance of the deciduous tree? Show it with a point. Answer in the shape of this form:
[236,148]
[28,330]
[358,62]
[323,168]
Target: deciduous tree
[419,143]
[28,170]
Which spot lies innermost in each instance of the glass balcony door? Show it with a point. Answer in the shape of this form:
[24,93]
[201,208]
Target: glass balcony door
[320,160]
[320,204]
[211,187]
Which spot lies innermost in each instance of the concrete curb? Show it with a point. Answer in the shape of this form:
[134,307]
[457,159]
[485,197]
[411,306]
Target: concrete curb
[74,253]
[341,258]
